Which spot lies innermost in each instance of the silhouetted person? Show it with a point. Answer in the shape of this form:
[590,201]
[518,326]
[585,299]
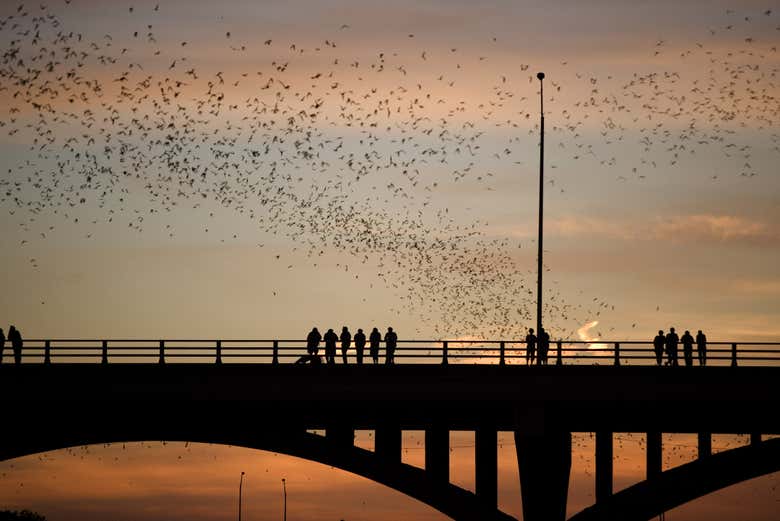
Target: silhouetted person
[701,347]
[530,347]
[313,342]
[360,345]
[374,339]
[391,341]
[671,347]
[2,344]
[544,346]
[346,340]
[330,346]
[687,342]
[15,337]
[658,346]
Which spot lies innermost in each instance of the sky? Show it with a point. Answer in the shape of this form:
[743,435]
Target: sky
[252,169]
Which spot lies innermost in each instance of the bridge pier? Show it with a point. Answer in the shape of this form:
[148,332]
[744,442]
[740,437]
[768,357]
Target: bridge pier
[544,460]
[604,456]
[437,454]
[654,455]
[486,465]
[387,443]
[341,437]
[705,444]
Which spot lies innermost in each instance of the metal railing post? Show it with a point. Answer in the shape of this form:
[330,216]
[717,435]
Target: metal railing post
[559,360]
[219,352]
[162,352]
[734,355]
[47,352]
[502,359]
[275,359]
[104,357]
[617,353]
[444,353]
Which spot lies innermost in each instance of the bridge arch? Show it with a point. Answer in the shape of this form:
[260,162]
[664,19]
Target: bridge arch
[679,485]
[449,499]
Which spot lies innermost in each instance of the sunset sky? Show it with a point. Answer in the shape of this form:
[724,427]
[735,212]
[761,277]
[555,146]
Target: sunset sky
[250,169]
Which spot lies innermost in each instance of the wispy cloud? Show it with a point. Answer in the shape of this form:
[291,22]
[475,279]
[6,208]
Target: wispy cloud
[723,228]
[678,228]
[585,334]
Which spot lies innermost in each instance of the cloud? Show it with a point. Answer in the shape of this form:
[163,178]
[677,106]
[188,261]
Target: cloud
[757,287]
[680,228]
[721,228]
[584,334]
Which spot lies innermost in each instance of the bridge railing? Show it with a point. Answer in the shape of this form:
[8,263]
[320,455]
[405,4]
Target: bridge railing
[501,352]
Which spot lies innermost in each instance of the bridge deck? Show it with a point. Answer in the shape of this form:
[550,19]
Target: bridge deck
[575,398]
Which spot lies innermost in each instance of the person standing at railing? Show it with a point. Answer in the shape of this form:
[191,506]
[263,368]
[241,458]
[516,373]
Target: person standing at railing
[701,347]
[391,342]
[687,342]
[360,345]
[330,346]
[530,347]
[15,337]
[2,344]
[313,342]
[543,346]
[346,340]
[374,339]
[671,347]
[658,346]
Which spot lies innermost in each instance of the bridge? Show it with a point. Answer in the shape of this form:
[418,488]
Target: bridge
[249,393]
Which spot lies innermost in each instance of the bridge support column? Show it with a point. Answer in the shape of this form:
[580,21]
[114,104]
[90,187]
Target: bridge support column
[654,455]
[387,444]
[705,444]
[341,437]
[604,454]
[437,454]
[486,465]
[544,461]
[755,438]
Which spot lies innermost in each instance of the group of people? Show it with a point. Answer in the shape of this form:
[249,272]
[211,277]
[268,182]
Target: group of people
[331,339]
[668,343]
[15,338]
[537,348]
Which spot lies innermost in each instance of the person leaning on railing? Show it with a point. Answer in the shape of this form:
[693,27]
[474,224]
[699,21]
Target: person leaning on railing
[374,339]
[15,337]
[658,346]
[391,342]
[701,347]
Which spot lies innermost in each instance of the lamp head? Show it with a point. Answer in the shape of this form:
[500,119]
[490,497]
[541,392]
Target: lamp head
[540,75]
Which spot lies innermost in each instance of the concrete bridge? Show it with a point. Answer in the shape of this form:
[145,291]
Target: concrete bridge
[271,407]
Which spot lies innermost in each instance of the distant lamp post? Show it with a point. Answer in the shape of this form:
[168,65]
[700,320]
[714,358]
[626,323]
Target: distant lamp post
[240,490]
[284,491]
[540,240]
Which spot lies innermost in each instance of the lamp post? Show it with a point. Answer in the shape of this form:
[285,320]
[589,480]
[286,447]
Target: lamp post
[540,239]
[284,491]
[240,490]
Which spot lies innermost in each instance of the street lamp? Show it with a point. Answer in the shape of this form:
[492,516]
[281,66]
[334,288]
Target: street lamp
[240,490]
[540,240]
[284,490]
